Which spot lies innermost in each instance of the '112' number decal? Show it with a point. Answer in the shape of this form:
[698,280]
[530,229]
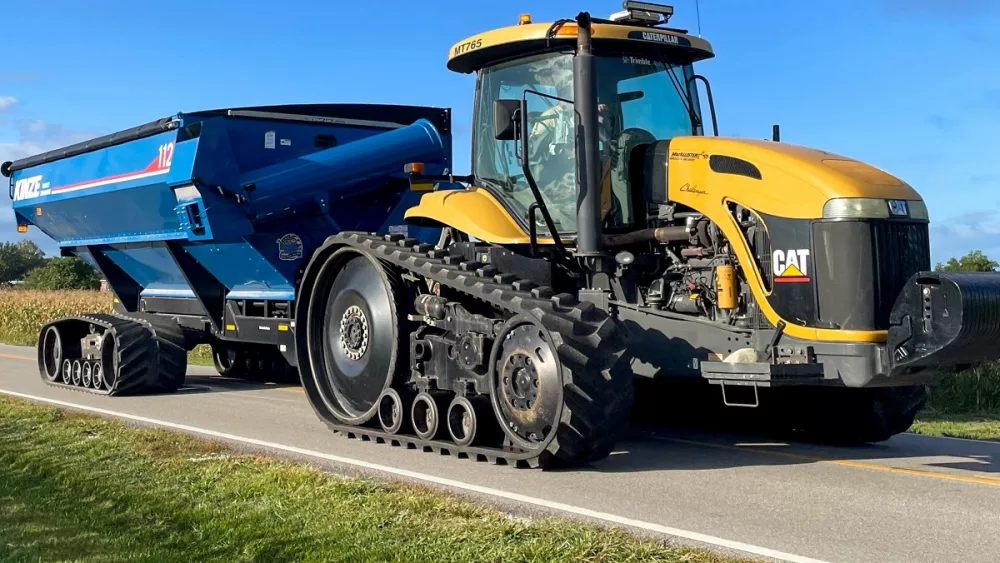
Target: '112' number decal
[166,156]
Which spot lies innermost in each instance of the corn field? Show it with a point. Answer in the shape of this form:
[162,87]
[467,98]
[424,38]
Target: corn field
[23,312]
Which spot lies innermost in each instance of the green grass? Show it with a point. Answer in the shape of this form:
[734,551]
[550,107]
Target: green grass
[81,488]
[978,426]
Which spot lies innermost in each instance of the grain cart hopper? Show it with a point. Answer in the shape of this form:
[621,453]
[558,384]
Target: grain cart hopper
[601,236]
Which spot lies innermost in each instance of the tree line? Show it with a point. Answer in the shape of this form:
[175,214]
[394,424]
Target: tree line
[24,264]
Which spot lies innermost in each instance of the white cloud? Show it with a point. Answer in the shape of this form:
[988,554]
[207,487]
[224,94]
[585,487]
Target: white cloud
[7,102]
[15,151]
[34,126]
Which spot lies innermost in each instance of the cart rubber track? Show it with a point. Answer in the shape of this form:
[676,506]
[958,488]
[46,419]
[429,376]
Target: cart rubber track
[149,355]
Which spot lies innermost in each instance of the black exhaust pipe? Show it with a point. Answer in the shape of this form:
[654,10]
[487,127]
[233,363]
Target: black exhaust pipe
[588,177]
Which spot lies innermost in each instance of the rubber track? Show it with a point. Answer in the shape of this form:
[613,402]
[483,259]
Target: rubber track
[152,357]
[588,341]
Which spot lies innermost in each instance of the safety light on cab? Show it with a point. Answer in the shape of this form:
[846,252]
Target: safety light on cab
[525,19]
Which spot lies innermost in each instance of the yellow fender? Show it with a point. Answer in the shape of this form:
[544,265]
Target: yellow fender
[474,212]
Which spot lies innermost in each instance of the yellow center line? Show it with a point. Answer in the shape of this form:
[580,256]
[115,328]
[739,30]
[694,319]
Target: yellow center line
[980,480]
[16,357]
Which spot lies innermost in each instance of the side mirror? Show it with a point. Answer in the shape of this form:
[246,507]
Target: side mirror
[505,119]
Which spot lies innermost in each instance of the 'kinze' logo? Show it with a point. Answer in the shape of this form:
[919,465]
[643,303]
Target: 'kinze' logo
[790,266]
[27,188]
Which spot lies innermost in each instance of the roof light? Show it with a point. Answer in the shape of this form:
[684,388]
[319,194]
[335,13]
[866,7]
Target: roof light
[524,20]
[645,13]
[662,9]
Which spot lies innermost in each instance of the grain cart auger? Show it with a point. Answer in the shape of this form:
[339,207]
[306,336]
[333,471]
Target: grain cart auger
[505,315]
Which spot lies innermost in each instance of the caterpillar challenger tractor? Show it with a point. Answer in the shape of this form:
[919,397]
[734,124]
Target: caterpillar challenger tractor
[601,239]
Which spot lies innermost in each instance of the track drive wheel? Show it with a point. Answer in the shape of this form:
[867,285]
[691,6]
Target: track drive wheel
[568,415]
[354,334]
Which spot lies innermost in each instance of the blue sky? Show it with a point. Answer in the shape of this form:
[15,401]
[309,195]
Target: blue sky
[910,86]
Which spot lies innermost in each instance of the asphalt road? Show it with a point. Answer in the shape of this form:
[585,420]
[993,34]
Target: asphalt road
[911,499]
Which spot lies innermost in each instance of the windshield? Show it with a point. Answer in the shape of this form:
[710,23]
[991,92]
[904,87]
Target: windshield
[640,99]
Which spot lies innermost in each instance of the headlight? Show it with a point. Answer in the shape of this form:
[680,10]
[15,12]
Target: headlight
[872,208]
[918,210]
[855,208]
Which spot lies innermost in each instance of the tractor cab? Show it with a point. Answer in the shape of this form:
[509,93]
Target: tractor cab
[526,110]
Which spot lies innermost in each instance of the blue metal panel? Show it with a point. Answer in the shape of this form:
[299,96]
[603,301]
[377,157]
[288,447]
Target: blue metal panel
[237,264]
[247,198]
[149,265]
[114,194]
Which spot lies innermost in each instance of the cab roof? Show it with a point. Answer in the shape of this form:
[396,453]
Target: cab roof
[478,51]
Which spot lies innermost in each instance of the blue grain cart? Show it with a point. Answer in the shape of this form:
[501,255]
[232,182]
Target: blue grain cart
[203,223]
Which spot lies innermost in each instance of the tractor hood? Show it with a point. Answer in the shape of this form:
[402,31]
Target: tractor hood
[774,178]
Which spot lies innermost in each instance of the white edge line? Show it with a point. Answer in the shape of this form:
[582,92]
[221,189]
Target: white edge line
[607,517]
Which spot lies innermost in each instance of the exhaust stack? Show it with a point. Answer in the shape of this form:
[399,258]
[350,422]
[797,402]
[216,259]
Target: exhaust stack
[588,177]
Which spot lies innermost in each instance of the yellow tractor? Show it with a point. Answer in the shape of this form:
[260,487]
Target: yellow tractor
[603,236]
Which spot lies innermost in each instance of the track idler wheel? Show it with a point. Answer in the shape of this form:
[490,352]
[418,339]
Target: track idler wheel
[471,421]
[393,411]
[354,333]
[109,360]
[228,361]
[528,388]
[849,417]
[52,354]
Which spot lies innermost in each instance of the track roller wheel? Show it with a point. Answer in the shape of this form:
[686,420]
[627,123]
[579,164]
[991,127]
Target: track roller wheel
[77,372]
[88,373]
[354,336]
[51,354]
[471,422]
[67,372]
[393,411]
[426,415]
[97,377]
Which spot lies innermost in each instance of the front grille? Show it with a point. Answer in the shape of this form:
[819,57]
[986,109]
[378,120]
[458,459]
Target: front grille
[901,250]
